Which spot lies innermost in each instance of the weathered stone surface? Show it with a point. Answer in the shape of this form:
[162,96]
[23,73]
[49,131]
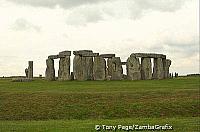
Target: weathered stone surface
[148,55]
[133,69]
[90,54]
[85,53]
[87,63]
[166,65]
[146,68]
[82,52]
[64,69]
[53,57]
[50,70]
[116,70]
[99,68]
[107,55]
[26,72]
[158,70]
[77,68]
[30,69]
[65,53]
[83,68]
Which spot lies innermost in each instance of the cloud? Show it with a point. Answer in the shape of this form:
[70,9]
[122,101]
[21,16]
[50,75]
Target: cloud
[53,3]
[162,5]
[83,15]
[81,12]
[22,25]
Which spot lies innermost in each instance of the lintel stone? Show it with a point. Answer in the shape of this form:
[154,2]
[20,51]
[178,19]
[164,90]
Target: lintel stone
[148,55]
[65,53]
[107,55]
[53,57]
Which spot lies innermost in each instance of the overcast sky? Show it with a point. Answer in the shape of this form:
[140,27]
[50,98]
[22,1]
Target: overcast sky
[34,29]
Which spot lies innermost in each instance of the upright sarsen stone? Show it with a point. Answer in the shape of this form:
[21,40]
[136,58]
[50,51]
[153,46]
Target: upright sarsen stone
[146,68]
[166,65]
[50,70]
[133,68]
[30,69]
[99,68]
[64,68]
[117,73]
[83,64]
[115,68]
[78,68]
[158,70]
[87,65]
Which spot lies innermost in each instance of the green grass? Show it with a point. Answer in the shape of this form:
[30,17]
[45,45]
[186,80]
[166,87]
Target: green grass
[44,105]
[179,124]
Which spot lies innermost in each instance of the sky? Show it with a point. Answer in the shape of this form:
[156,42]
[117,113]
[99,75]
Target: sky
[35,29]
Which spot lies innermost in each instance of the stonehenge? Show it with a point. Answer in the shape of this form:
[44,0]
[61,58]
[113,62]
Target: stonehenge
[88,65]
[64,66]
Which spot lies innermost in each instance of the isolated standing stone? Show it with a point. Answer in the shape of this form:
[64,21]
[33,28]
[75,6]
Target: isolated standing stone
[99,68]
[133,68]
[158,70]
[30,69]
[64,68]
[50,70]
[146,69]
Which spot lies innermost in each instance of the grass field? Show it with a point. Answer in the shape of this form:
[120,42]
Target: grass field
[79,105]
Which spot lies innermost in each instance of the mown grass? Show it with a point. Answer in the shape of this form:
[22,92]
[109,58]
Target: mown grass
[79,102]
[179,124]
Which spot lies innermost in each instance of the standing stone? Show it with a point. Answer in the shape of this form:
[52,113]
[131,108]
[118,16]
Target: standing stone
[99,68]
[83,64]
[116,69]
[30,69]
[166,65]
[133,68]
[87,63]
[26,72]
[64,69]
[78,68]
[50,70]
[146,69]
[158,70]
